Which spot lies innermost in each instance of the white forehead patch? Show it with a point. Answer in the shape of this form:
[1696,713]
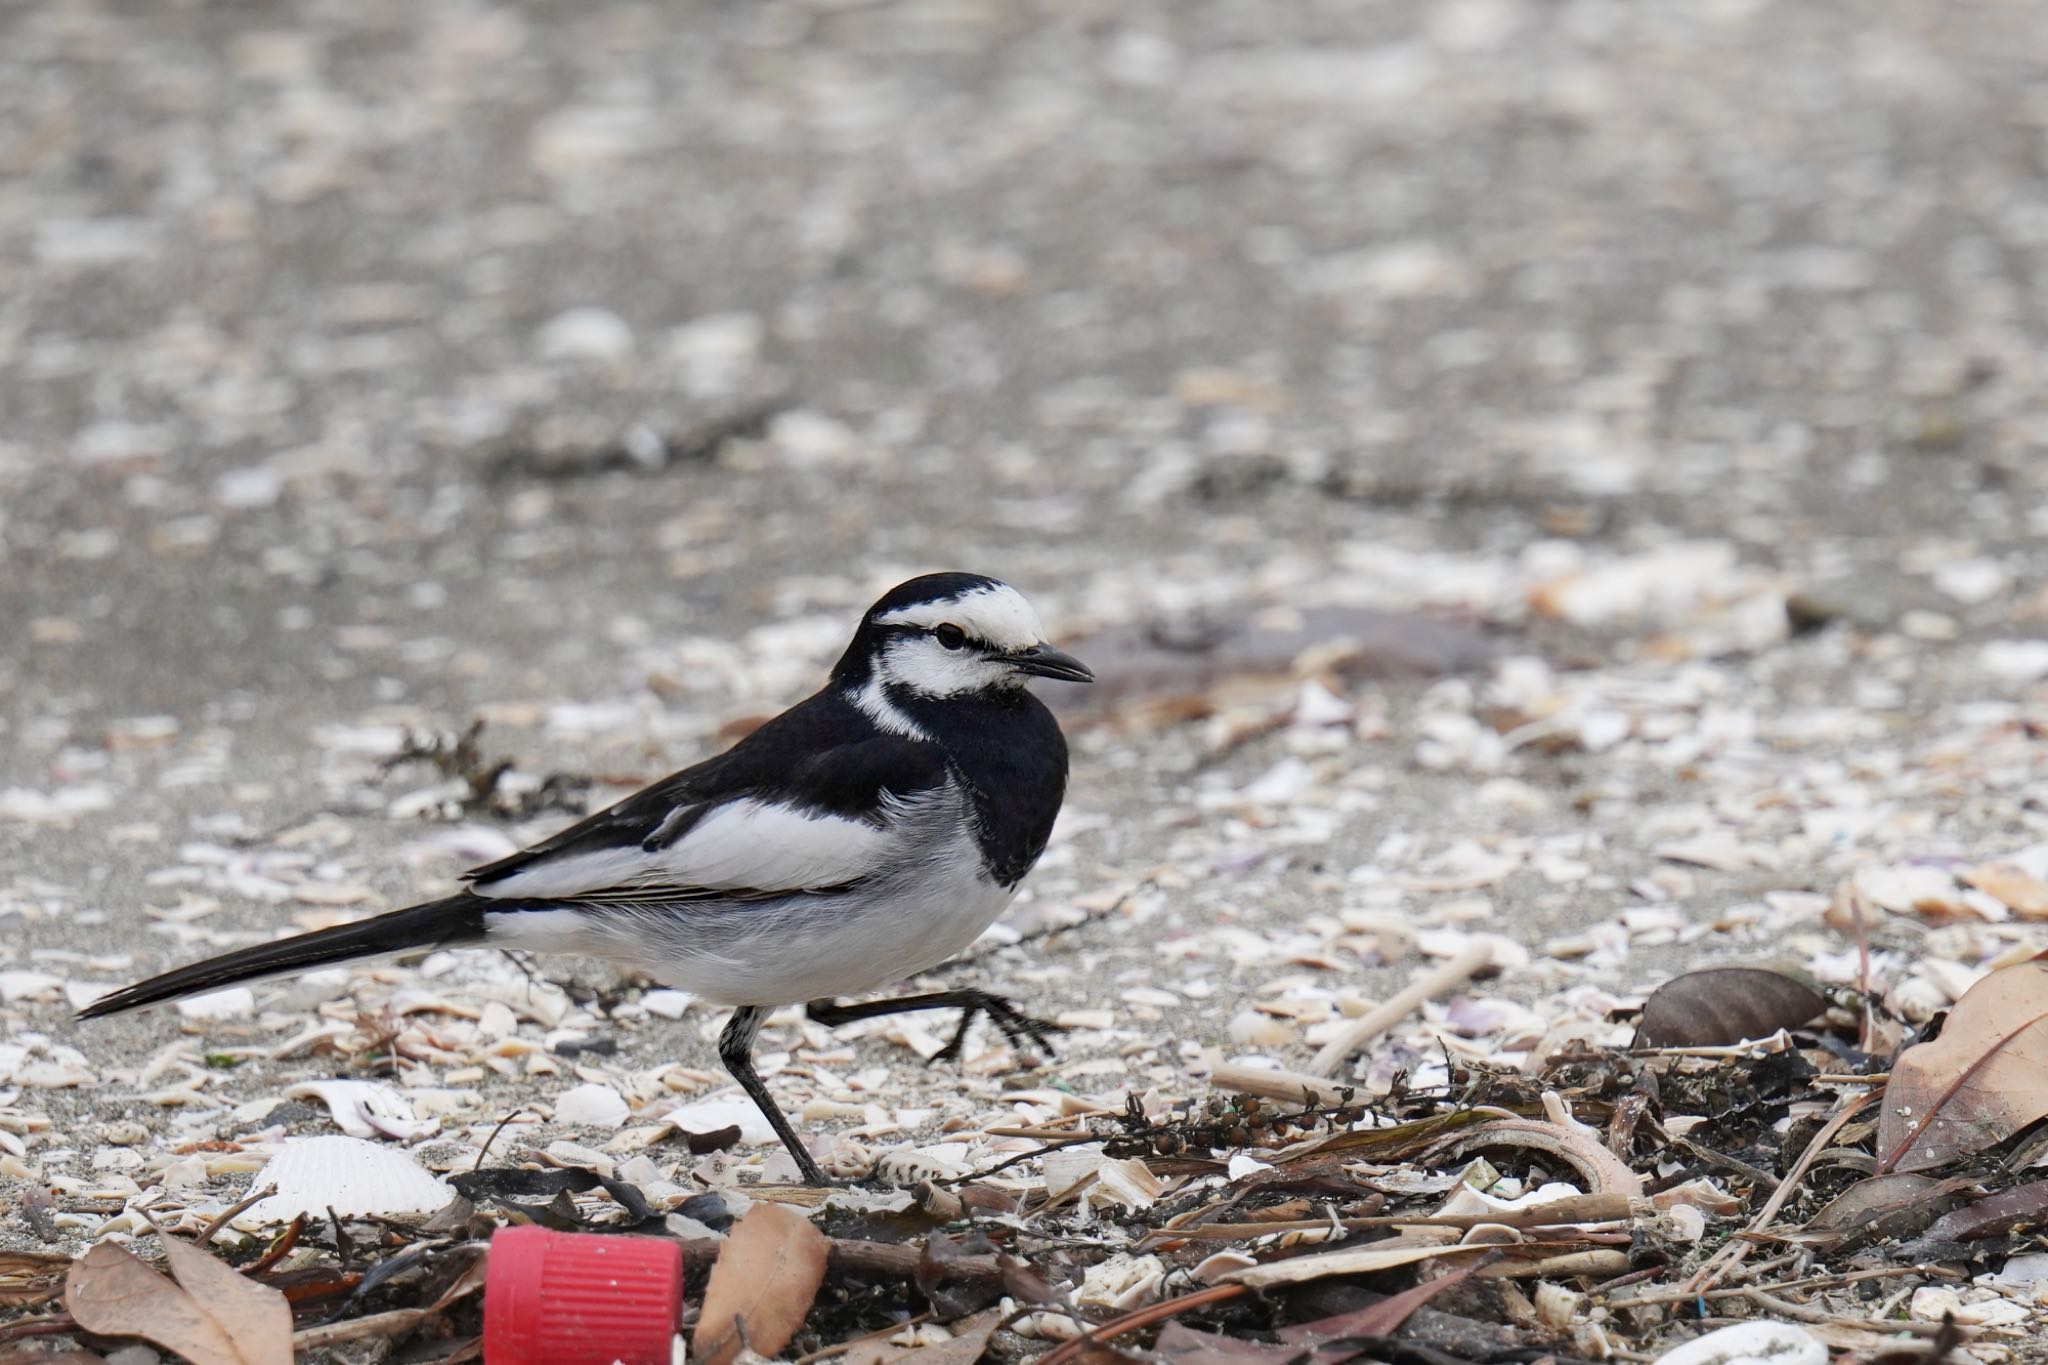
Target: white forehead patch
[997,614]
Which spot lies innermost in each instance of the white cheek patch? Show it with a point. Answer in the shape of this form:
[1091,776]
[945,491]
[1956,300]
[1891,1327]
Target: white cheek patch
[927,667]
[997,614]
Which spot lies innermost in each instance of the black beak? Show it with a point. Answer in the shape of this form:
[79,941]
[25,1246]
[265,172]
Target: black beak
[1043,661]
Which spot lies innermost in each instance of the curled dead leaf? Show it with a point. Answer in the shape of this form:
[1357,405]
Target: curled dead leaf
[1722,1006]
[1984,1079]
[1386,1317]
[767,1274]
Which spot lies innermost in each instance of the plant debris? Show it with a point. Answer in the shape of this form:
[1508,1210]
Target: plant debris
[1588,1202]
[489,787]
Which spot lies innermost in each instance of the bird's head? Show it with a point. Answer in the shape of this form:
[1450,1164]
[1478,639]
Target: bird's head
[953,634]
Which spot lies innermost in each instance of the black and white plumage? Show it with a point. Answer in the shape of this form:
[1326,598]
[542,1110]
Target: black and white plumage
[862,836]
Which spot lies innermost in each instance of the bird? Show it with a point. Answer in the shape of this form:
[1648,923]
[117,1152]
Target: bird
[862,836]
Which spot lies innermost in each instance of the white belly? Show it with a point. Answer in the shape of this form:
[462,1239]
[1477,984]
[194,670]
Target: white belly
[842,946]
[787,950]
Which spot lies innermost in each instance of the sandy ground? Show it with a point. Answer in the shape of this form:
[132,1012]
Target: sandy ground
[586,369]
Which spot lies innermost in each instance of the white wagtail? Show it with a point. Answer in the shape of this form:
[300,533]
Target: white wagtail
[862,836]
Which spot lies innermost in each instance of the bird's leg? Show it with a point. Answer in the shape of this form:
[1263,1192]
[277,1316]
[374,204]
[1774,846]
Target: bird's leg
[736,1050]
[1017,1026]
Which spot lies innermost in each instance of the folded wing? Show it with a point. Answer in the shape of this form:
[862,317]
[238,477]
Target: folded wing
[738,829]
[740,846]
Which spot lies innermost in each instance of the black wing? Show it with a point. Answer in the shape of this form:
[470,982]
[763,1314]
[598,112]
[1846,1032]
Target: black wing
[793,810]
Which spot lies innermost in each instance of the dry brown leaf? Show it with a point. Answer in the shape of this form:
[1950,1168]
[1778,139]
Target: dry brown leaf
[1887,1206]
[1180,1344]
[767,1274]
[1384,1318]
[1996,1215]
[1722,1006]
[968,1343]
[2020,891]
[256,1318]
[1981,1081]
[110,1293]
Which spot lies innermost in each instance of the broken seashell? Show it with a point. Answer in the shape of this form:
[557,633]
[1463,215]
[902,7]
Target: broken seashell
[1122,1282]
[1127,1184]
[1682,1223]
[708,1116]
[1557,1306]
[1781,1343]
[1215,1269]
[367,1109]
[351,1177]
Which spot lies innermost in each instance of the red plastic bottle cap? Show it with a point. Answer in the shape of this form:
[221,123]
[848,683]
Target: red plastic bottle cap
[571,1298]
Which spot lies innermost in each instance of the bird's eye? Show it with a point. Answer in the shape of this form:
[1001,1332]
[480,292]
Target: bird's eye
[949,635]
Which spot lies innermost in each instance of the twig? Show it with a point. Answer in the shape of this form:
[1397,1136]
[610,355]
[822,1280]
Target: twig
[1781,1041]
[280,1248]
[1476,956]
[1579,1214]
[1054,1129]
[1866,1032]
[484,1150]
[48,1325]
[1800,1312]
[233,1211]
[1021,1157]
[1296,1087]
[397,1322]
[1596,1263]
[851,1256]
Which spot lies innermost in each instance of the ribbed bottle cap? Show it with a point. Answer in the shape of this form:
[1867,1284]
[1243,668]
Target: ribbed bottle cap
[572,1298]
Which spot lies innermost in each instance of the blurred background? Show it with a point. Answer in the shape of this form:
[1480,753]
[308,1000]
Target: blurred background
[586,366]
[1561,478]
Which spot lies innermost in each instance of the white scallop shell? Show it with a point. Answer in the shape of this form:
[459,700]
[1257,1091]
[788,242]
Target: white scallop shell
[348,1175]
[592,1106]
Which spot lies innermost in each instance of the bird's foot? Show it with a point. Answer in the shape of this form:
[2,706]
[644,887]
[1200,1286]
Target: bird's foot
[1017,1026]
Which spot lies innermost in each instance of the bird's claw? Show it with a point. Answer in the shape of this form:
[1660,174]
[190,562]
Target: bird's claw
[1018,1027]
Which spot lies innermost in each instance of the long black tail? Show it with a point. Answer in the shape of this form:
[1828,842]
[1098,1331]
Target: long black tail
[458,919]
